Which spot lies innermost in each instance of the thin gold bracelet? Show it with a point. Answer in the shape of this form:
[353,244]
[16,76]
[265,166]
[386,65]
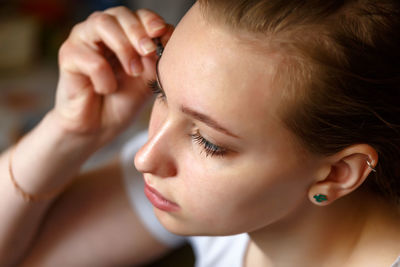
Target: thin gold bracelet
[25,195]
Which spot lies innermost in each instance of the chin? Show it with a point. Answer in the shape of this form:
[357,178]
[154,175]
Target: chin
[184,227]
[172,222]
[178,225]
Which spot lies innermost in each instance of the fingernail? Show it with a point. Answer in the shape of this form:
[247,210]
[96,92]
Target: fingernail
[156,25]
[147,45]
[136,67]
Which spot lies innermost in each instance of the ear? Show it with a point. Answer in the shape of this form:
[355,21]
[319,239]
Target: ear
[347,170]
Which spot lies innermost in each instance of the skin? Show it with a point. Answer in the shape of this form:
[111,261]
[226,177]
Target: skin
[99,93]
[265,183]
[223,191]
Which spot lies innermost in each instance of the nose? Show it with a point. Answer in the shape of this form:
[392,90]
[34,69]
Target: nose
[156,156]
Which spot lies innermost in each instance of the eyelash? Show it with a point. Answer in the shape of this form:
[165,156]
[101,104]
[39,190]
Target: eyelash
[155,89]
[209,148]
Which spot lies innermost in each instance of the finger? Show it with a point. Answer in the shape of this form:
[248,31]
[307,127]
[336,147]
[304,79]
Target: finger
[80,59]
[135,30]
[149,63]
[153,24]
[104,28]
[167,35]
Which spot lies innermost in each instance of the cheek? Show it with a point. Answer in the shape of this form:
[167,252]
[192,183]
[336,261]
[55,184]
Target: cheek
[214,197]
[236,199]
[201,190]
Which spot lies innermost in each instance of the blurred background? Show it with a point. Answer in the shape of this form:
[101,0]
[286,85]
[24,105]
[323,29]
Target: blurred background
[31,32]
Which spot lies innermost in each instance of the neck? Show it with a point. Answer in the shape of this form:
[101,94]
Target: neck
[331,234]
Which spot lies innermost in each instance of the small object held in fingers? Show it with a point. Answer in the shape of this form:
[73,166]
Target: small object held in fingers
[159,45]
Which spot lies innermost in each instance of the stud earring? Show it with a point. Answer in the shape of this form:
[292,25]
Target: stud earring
[370,166]
[320,198]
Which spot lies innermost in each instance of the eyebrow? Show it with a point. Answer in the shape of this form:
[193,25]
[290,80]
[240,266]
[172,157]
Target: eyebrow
[195,114]
[207,120]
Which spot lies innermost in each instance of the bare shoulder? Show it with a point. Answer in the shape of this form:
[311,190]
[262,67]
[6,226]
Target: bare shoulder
[93,224]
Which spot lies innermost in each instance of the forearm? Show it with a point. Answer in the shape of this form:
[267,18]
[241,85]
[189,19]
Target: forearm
[96,99]
[47,158]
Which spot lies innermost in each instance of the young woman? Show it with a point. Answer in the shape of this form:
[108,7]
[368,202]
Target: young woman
[274,136]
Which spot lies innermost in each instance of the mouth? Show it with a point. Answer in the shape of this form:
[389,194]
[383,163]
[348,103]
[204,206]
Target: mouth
[158,200]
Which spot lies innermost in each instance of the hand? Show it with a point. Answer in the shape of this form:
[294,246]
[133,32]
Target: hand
[105,65]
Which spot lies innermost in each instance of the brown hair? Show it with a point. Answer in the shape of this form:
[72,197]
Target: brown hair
[346,55]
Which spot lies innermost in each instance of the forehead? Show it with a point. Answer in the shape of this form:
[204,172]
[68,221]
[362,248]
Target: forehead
[210,69]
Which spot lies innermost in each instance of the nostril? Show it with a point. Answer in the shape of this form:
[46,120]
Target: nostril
[168,170]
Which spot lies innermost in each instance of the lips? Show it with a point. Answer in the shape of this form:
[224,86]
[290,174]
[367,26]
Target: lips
[158,200]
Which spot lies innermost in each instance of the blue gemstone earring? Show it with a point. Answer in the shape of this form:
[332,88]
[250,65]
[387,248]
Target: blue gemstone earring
[320,198]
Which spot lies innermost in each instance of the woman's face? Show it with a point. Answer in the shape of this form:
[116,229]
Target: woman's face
[216,145]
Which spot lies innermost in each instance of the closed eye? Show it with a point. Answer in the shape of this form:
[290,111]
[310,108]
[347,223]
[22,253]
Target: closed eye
[208,147]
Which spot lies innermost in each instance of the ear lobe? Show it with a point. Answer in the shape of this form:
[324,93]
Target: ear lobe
[348,170]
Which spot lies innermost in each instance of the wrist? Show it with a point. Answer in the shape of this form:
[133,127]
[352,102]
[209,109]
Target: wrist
[49,157]
[91,135]
[67,134]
